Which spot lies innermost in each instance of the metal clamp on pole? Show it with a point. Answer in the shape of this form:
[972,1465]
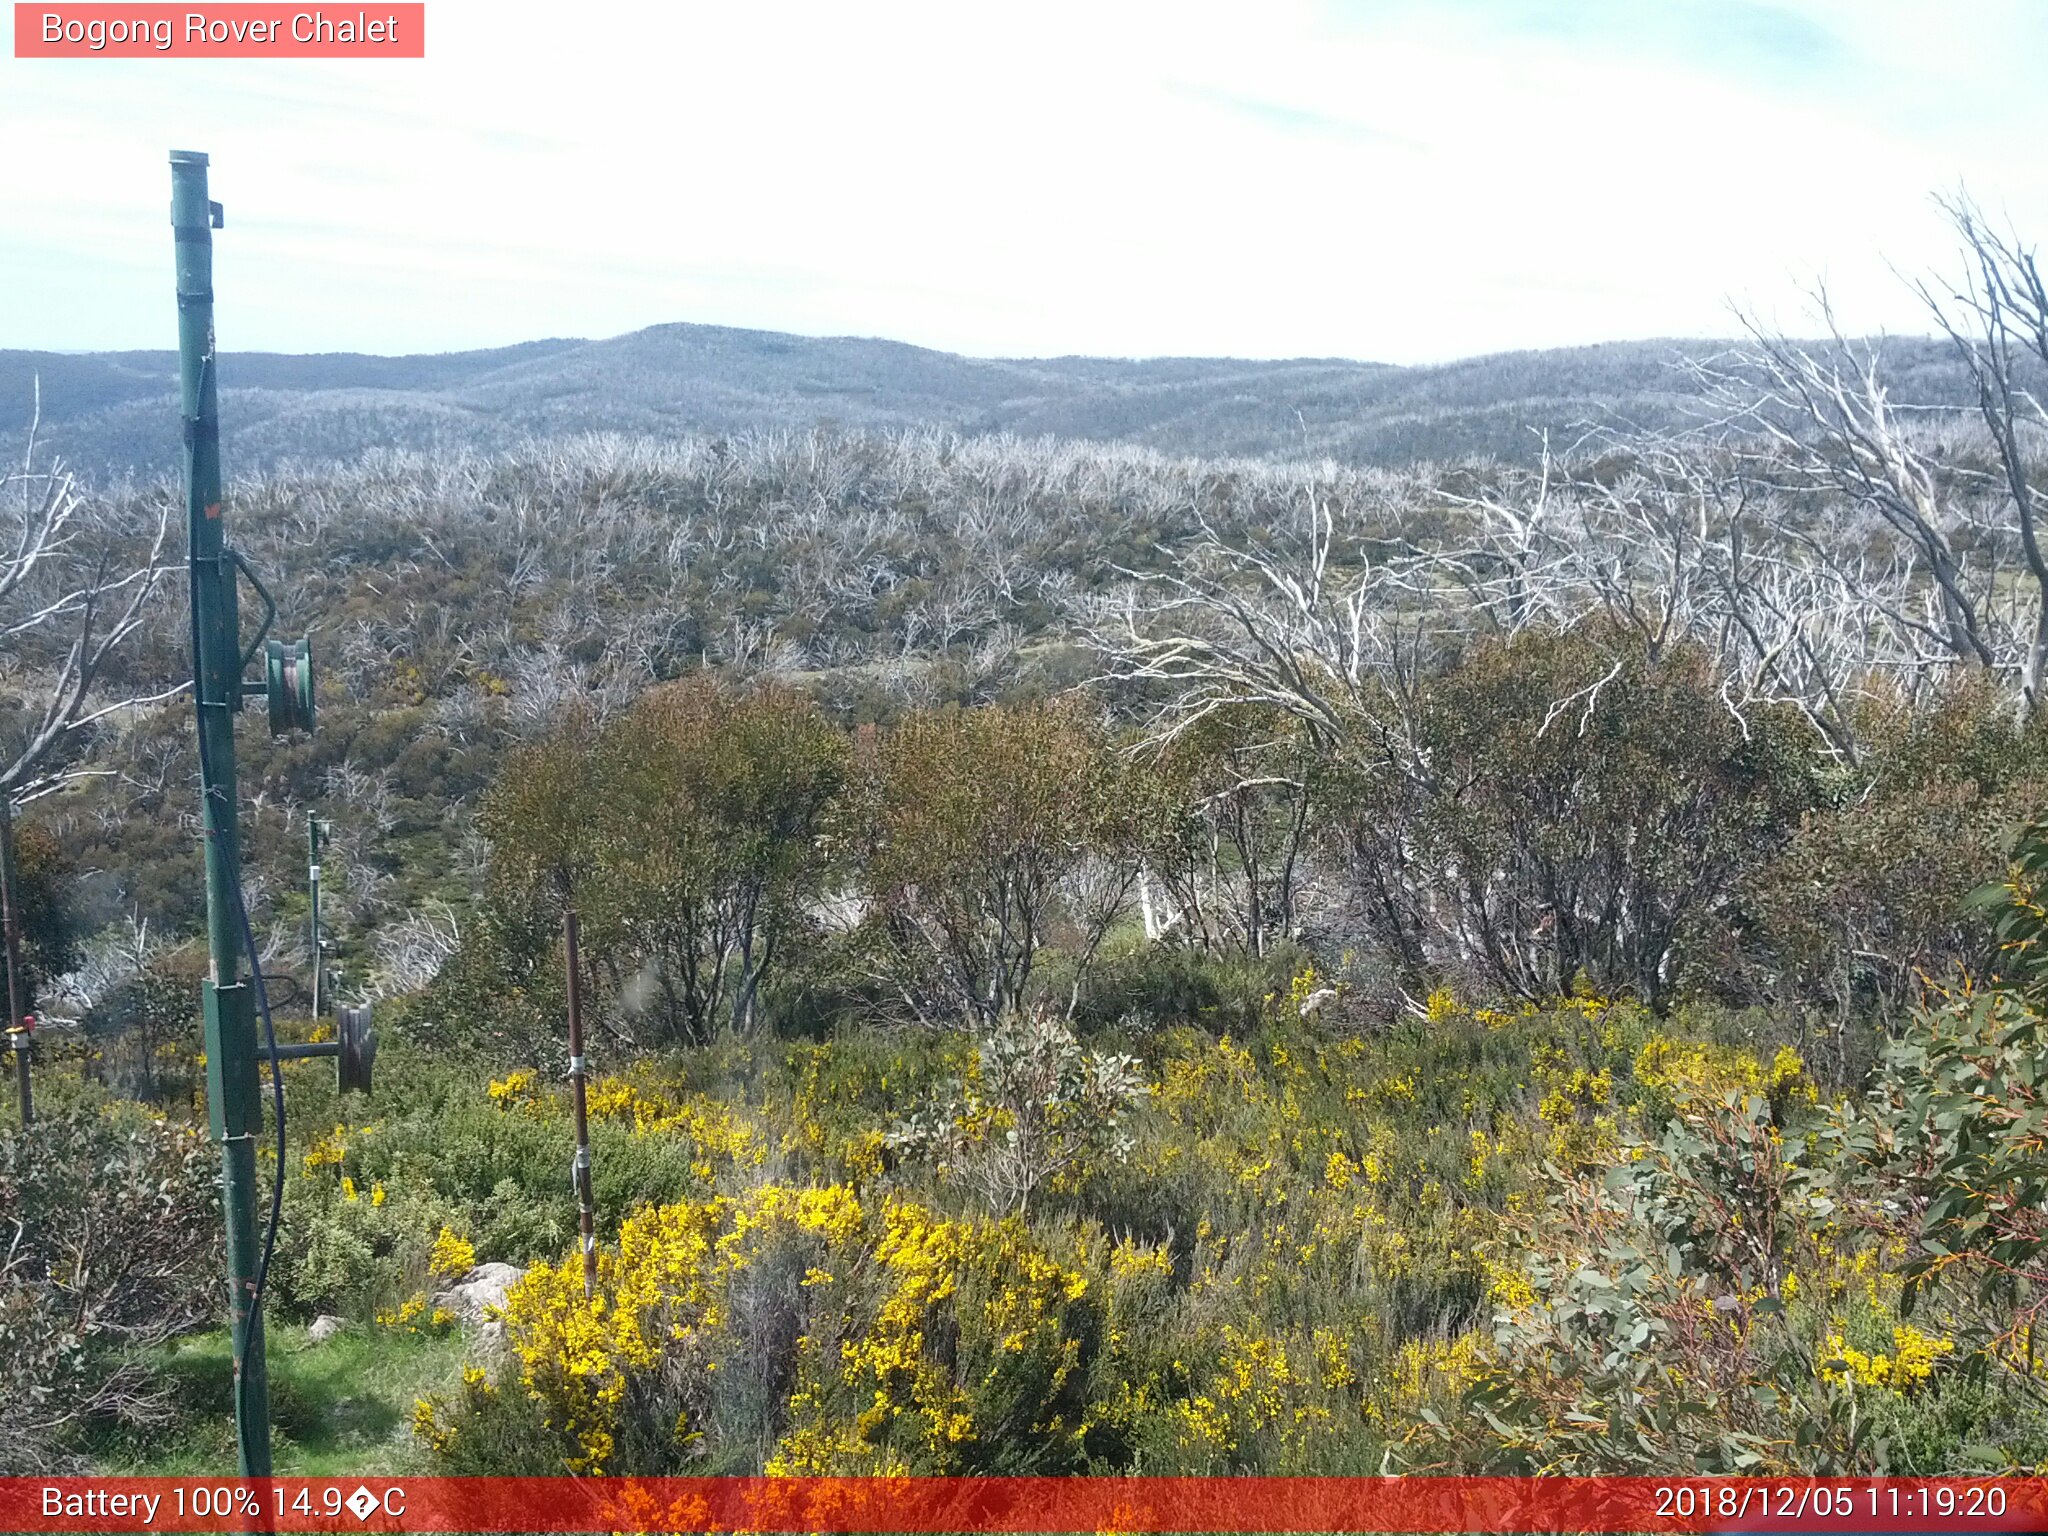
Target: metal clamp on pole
[288,680]
[19,1039]
[356,1050]
[353,1050]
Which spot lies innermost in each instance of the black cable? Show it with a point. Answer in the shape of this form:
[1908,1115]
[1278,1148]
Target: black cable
[255,1311]
[277,1100]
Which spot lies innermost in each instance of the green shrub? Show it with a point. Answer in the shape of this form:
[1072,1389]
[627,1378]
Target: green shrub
[112,1228]
[1152,986]
[356,1250]
[1868,899]
[1569,810]
[1032,1111]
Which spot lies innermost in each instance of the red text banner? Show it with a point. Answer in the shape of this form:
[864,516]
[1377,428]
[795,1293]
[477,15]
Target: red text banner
[227,31]
[1078,1504]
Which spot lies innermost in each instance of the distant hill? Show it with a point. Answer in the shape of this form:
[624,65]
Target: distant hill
[114,412]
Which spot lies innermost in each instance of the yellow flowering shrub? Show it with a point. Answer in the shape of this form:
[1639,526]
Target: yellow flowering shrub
[1566,1236]
[416,1316]
[651,1109]
[362,1245]
[1017,1319]
[452,1255]
[1911,1361]
[512,1090]
[719,1135]
[1277,1399]
[1246,1392]
[1426,1374]
[1673,1068]
[327,1151]
[1303,987]
[868,1337]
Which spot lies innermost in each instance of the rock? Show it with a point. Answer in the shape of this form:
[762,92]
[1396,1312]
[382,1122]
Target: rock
[325,1327]
[473,1296]
[491,1343]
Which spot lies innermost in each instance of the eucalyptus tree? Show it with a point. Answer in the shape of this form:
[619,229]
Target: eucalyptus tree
[990,833]
[690,832]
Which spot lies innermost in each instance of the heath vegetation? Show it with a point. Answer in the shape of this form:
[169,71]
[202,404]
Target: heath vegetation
[1107,962]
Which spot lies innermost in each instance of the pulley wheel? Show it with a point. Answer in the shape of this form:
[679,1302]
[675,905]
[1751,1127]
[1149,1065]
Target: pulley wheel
[288,682]
[358,1050]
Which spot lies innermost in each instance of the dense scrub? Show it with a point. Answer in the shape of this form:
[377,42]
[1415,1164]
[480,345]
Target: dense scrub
[1571,1238]
[742,863]
[1107,963]
[110,1222]
[1632,1241]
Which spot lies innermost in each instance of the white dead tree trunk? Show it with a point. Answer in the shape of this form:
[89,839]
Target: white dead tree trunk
[1273,625]
[1828,432]
[67,602]
[1997,319]
[69,598]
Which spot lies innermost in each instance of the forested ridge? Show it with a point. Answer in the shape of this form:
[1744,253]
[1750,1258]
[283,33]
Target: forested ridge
[114,414]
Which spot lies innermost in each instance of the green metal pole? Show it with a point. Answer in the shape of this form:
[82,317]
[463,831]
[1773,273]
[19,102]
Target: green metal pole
[231,1057]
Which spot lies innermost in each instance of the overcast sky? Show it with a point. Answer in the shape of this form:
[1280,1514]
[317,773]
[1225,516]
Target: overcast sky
[1399,180]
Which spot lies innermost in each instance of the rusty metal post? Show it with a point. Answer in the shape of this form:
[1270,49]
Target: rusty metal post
[579,1077]
[10,921]
[315,836]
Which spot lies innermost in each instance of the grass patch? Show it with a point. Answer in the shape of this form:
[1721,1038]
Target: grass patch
[337,1408]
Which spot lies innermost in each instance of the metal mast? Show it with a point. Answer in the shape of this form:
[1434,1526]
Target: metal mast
[231,1056]
[232,997]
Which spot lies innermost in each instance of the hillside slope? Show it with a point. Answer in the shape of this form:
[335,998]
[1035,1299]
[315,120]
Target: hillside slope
[112,413]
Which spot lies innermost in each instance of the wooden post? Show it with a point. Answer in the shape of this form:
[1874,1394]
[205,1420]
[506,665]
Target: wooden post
[10,920]
[586,1215]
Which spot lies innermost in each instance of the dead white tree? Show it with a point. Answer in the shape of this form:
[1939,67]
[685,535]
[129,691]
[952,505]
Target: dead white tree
[1328,628]
[118,952]
[1517,557]
[1795,631]
[1827,435]
[411,951]
[1674,539]
[72,590]
[74,586]
[1275,624]
[1997,320]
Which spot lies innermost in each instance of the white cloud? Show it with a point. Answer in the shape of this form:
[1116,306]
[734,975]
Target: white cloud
[1398,180]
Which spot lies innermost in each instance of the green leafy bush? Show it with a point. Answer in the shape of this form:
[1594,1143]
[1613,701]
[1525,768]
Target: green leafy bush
[1564,809]
[109,1245]
[989,835]
[1868,899]
[689,834]
[1033,1111]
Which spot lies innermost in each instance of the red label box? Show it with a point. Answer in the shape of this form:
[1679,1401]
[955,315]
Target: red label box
[230,31]
[870,1506]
